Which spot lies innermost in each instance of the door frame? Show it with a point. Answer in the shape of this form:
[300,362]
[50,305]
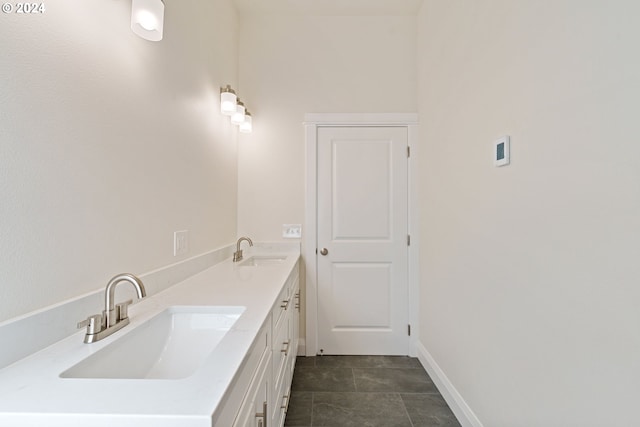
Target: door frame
[312,122]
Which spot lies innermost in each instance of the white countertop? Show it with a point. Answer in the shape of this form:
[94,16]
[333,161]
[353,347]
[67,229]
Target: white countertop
[32,392]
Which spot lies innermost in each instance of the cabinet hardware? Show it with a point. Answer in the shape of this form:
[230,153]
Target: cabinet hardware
[285,401]
[285,304]
[262,415]
[285,350]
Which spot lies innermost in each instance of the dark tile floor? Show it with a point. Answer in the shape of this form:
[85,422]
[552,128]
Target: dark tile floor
[365,391]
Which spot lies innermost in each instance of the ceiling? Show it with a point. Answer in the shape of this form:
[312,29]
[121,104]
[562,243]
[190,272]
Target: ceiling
[329,7]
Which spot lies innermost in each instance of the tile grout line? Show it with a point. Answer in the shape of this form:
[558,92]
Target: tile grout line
[406,410]
[353,375]
[312,403]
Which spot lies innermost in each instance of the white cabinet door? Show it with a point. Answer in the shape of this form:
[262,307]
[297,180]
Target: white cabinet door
[362,240]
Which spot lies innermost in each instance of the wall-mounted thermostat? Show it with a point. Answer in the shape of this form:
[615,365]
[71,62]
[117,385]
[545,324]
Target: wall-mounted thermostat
[501,151]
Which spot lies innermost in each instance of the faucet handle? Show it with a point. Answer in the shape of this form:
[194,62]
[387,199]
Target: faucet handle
[92,323]
[122,310]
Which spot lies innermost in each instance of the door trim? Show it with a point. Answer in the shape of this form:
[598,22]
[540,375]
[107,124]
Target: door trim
[311,123]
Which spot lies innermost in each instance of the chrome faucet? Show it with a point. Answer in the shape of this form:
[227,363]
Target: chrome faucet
[115,316]
[237,255]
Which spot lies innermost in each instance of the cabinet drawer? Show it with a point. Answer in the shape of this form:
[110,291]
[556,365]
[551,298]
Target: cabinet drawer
[281,350]
[280,308]
[285,302]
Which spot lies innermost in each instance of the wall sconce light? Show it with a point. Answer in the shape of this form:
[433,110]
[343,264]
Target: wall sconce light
[147,19]
[230,105]
[246,126]
[228,101]
[238,117]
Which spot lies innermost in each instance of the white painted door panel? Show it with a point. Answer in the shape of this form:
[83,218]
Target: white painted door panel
[362,222]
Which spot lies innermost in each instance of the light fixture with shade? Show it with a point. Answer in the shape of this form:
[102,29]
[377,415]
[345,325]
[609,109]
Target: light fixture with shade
[228,100]
[238,117]
[147,19]
[246,126]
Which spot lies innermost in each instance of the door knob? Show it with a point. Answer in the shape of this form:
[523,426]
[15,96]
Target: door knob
[324,251]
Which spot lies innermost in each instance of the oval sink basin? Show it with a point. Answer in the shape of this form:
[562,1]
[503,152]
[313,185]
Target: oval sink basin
[256,261]
[171,345]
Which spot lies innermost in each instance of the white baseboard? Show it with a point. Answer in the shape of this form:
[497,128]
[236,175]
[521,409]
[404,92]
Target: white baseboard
[302,347]
[461,410]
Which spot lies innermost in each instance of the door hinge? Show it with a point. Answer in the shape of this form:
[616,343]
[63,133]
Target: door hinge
[409,330]
[408,151]
[408,240]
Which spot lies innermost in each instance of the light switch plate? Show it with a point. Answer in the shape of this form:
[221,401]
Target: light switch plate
[502,151]
[292,231]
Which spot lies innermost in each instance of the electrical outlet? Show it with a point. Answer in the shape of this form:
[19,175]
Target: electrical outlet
[180,242]
[292,231]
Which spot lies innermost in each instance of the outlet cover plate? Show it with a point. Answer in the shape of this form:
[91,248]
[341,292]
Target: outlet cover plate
[180,242]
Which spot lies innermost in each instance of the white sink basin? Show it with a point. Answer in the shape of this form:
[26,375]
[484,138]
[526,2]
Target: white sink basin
[171,345]
[260,260]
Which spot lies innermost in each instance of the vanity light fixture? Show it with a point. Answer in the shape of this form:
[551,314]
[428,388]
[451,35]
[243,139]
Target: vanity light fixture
[147,18]
[246,126]
[230,105]
[238,117]
[228,100]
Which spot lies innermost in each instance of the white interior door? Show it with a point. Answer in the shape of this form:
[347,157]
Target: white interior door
[362,240]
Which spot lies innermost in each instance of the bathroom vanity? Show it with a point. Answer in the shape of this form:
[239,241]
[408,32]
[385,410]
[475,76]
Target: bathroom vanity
[216,349]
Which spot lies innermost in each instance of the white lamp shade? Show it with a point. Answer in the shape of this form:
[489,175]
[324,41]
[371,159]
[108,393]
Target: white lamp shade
[147,19]
[228,101]
[238,116]
[246,126]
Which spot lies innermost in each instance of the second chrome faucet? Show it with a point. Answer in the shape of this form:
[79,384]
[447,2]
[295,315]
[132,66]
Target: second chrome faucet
[237,255]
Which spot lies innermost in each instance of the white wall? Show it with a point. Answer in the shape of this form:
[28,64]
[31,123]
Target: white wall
[530,272]
[293,65]
[109,144]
